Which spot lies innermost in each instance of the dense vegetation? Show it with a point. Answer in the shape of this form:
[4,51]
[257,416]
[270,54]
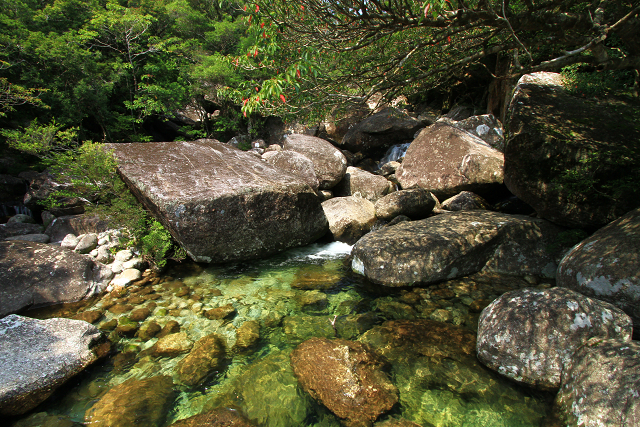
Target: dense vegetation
[77,71]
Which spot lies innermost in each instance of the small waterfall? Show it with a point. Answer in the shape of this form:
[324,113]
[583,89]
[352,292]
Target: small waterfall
[394,153]
[9,210]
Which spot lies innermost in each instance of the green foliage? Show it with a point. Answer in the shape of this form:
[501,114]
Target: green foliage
[157,244]
[43,141]
[590,83]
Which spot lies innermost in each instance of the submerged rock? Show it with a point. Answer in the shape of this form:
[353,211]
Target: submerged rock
[456,244]
[346,377]
[207,356]
[530,335]
[221,417]
[605,265]
[219,203]
[600,385]
[38,356]
[446,160]
[441,382]
[269,393]
[37,274]
[140,403]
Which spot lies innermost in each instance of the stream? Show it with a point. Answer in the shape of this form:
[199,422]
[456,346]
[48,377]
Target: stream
[290,298]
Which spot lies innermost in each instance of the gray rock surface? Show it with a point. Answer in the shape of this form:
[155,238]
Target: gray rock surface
[18,229]
[87,243]
[380,131]
[367,185]
[485,127]
[219,203]
[37,274]
[600,386]
[75,224]
[606,265]
[38,356]
[295,163]
[446,160]
[455,244]
[415,203]
[329,163]
[530,335]
[349,217]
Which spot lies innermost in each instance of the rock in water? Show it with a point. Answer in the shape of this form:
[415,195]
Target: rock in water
[349,217]
[36,274]
[141,403]
[446,160]
[455,244]
[346,377]
[600,385]
[530,335]
[605,265]
[219,417]
[219,203]
[38,356]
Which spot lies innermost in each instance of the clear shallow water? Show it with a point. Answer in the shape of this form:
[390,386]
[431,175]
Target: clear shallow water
[427,335]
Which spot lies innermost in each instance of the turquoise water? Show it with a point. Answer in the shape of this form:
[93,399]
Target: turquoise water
[260,311]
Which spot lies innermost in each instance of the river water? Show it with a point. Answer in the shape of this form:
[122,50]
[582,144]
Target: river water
[290,298]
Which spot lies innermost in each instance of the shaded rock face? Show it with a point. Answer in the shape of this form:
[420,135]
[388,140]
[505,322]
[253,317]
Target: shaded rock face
[207,356]
[219,203]
[485,127]
[36,274]
[375,134]
[135,402]
[329,163]
[551,132]
[441,382]
[605,265]
[38,356]
[221,417]
[465,201]
[295,163]
[346,377]
[455,244]
[349,217]
[75,224]
[367,185]
[416,203]
[600,385]
[530,335]
[446,160]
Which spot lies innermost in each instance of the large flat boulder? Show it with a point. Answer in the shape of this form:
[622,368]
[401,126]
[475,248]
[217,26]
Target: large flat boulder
[455,244]
[447,160]
[36,274]
[605,265]
[569,157]
[530,335]
[219,203]
[38,356]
